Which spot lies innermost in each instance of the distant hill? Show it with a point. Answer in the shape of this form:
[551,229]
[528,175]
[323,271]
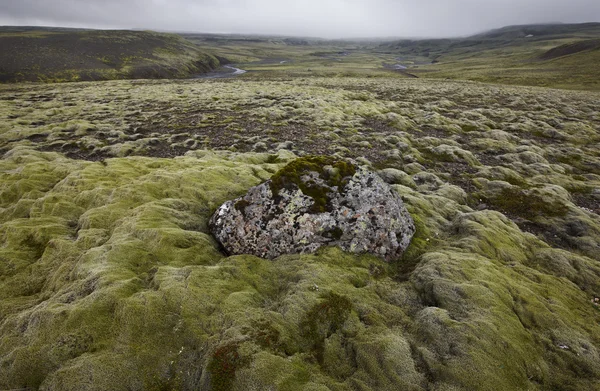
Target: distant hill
[571,48]
[58,54]
[551,55]
[500,37]
[545,31]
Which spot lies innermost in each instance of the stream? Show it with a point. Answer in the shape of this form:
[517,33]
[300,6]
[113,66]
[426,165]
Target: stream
[223,72]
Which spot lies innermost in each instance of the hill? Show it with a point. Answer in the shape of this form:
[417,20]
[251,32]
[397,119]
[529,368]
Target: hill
[570,48]
[55,54]
[526,55]
[545,31]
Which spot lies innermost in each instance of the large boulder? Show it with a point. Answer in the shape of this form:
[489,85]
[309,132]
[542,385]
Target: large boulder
[312,202]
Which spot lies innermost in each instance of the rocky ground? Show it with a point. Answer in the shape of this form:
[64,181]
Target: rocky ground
[107,266]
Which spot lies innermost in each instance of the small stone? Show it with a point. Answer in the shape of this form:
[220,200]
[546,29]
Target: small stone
[312,202]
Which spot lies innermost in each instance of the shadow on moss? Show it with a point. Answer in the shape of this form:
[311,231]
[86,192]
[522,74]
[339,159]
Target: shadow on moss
[527,205]
[225,361]
[323,320]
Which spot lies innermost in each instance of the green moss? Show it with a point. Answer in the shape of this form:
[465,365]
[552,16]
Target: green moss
[273,159]
[579,187]
[224,363]
[290,177]
[527,204]
[324,319]
[418,245]
[266,335]
[469,127]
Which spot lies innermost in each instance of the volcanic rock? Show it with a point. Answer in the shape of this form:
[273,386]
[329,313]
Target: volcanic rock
[312,202]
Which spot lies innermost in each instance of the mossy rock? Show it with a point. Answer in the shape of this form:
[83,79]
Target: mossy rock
[313,202]
[334,172]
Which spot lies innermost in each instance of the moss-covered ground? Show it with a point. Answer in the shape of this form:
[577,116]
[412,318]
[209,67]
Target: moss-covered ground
[109,278]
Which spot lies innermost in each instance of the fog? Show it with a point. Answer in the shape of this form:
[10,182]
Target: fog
[317,18]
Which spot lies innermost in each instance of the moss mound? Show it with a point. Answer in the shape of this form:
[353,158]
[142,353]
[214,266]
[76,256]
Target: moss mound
[527,204]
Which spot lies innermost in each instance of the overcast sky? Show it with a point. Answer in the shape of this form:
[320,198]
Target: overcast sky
[324,18]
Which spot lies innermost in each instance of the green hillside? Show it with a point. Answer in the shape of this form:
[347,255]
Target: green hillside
[53,55]
[511,55]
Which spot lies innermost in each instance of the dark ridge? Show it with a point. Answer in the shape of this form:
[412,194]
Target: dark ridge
[536,30]
[55,55]
[570,48]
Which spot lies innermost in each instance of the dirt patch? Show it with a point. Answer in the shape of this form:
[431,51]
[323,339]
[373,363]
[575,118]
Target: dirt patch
[586,202]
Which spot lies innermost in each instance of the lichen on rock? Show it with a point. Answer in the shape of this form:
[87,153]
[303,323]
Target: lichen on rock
[312,202]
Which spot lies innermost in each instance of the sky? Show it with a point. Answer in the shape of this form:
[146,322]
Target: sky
[311,18]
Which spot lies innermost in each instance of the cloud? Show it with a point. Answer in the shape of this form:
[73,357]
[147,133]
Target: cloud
[328,18]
